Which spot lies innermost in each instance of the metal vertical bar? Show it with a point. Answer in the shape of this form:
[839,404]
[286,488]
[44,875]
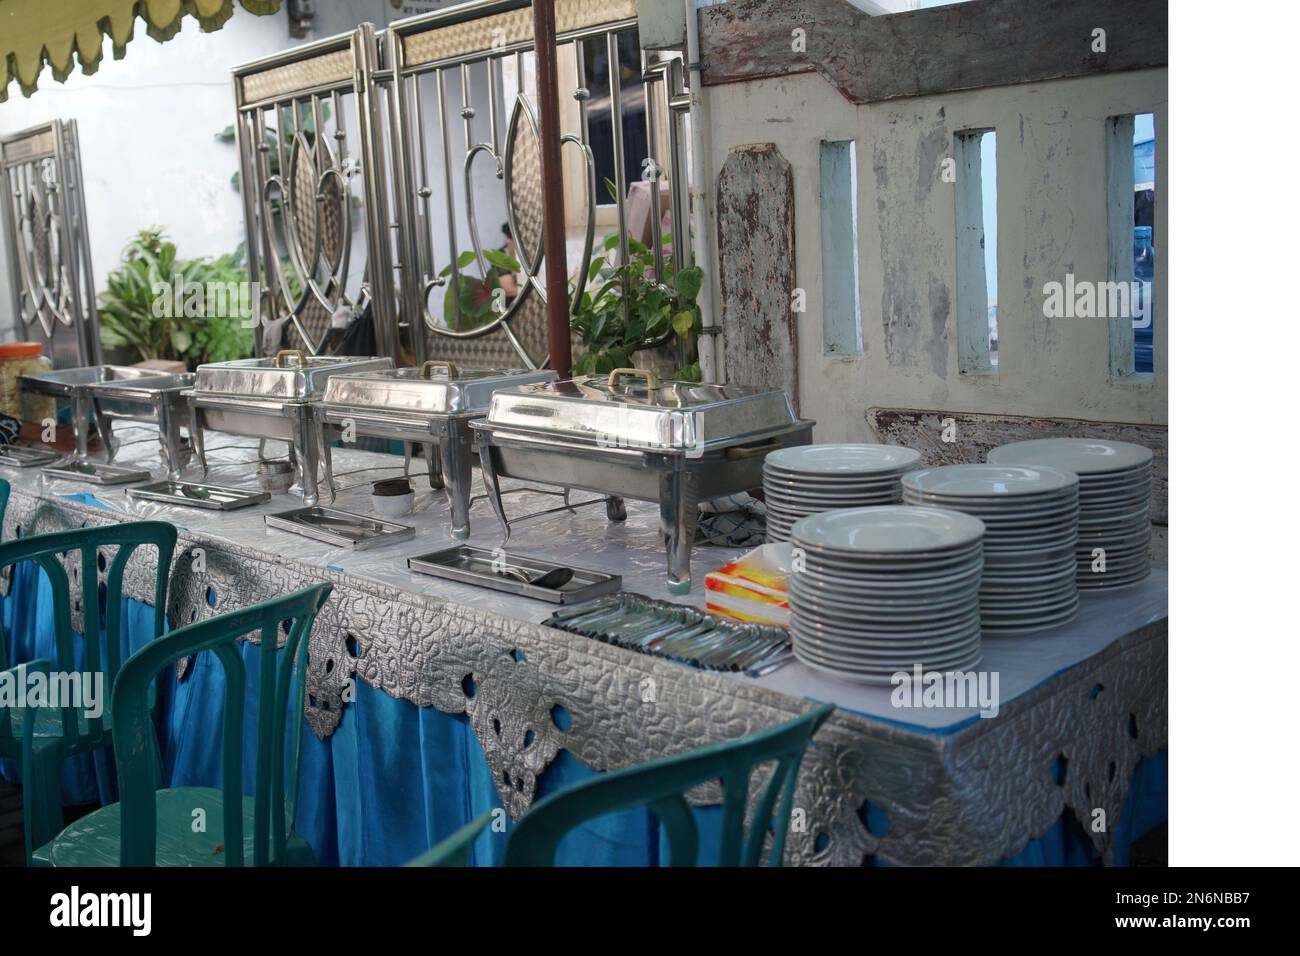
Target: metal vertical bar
[370,121]
[620,172]
[409,309]
[652,153]
[81,245]
[12,244]
[249,188]
[557,272]
[448,188]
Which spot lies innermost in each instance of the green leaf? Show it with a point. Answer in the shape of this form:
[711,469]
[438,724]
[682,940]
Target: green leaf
[689,282]
[683,322]
[502,260]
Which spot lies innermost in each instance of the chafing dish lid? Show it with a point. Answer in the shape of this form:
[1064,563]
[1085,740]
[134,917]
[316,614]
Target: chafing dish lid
[290,376]
[631,408]
[159,382]
[436,388]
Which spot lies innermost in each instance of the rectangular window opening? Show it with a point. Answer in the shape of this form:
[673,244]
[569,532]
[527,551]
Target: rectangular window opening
[977,250]
[1131,239]
[841,307]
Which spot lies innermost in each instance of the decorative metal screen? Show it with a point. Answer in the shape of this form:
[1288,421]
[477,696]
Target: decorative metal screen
[312,174]
[471,64]
[47,244]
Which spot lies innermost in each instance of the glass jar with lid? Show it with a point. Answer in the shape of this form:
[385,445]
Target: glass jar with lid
[18,359]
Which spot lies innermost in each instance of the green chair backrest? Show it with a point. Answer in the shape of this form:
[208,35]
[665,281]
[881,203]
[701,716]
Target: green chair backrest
[4,503]
[18,677]
[662,785]
[455,849]
[44,551]
[274,796]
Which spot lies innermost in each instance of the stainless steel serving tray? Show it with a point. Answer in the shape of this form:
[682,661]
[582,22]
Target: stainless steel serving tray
[193,495]
[97,473]
[631,408]
[19,456]
[65,382]
[289,377]
[341,528]
[435,390]
[124,398]
[471,565]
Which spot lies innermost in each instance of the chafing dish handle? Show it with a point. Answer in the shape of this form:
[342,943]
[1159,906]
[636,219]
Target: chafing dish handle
[651,380]
[738,452]
[280,356]
[429,366]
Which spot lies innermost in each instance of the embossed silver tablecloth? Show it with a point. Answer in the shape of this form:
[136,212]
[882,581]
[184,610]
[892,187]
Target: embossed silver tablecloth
[956,789]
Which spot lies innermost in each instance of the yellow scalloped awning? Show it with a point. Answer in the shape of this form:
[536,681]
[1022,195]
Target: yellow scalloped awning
[36,32]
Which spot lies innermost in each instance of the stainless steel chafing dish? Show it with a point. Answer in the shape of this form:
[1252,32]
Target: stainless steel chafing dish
[271,398]
[631,436]
[74,385]
[432,406]
[158,400]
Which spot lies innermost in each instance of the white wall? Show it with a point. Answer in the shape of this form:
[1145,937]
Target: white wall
[1052,220]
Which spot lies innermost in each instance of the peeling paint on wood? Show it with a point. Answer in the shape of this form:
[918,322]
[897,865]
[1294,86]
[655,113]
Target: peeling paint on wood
[976,434]
[756,268]
[958,47]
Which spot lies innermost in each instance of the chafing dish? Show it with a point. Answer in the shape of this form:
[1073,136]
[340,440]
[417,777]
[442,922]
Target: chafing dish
[629,435]
[73,385]
[432,406]
[158,400]
[270,398]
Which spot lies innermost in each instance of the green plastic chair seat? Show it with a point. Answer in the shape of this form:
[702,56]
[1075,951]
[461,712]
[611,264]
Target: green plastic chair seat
[49,723]
[95,839]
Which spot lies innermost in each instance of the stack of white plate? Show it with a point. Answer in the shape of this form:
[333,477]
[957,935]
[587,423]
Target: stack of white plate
[1031,527]
[809,479]
[1114,503]
[875,591]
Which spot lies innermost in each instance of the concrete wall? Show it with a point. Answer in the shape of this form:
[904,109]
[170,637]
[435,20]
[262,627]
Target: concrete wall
[1052,220]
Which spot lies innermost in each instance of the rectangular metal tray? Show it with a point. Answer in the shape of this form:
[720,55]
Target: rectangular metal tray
[21,457]
[96,472]
[471,565]
[341,528]
[189,494]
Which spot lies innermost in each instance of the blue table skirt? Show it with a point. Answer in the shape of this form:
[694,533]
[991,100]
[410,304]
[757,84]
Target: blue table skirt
[394,778]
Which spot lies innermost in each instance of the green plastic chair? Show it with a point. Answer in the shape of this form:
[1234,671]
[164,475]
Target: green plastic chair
[662,786]
[69,726]
[4,502]
[156,826]
[34,749]
[455,850]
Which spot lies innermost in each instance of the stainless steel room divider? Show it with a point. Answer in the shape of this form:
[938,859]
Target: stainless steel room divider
[46,242]
[400,95]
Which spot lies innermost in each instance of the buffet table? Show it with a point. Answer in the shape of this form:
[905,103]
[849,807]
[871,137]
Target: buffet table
[431,701]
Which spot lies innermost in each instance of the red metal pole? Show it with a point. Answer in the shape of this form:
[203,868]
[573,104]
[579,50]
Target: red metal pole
[557,266]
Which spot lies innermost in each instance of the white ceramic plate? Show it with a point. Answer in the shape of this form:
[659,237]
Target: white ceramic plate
[890,529]
[842,459]
[1083,456]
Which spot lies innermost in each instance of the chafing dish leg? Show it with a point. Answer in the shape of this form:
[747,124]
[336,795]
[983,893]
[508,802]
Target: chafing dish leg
[433,459]
[81,423]
[305,450]
[196,438]
[455,455]
[492,485]
[169,430]
[325,439]
[676,522]
[105,430]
